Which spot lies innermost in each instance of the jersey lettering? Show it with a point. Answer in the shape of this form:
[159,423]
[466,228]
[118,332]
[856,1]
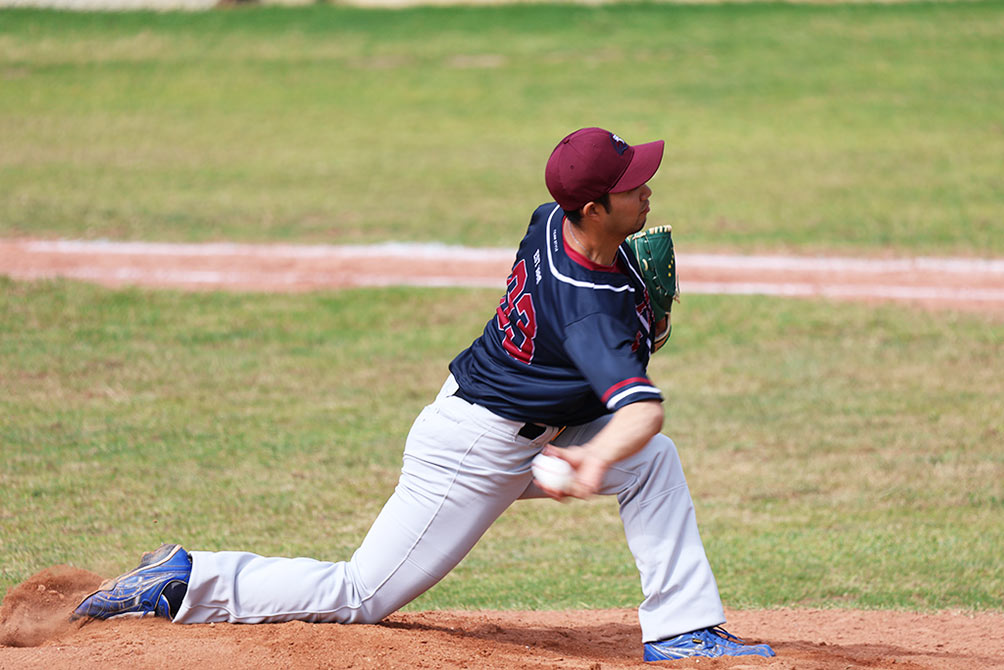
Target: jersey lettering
[516,317]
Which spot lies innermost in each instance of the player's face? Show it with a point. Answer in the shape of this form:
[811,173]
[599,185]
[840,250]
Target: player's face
[629,210]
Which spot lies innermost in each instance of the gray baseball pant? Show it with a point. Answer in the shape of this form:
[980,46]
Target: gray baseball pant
[463,466]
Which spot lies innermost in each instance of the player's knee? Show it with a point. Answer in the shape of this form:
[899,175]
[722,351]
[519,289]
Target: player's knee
[367,613]
[376,605]
[368,616]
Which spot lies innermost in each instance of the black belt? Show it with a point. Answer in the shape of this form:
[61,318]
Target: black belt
[530,431]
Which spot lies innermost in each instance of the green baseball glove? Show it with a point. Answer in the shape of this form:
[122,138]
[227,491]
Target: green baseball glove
[657,259]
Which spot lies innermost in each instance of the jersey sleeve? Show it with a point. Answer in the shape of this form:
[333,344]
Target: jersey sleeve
[604,351]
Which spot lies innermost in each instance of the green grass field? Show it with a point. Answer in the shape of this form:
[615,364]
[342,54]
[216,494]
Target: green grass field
[859,128]
[839,455]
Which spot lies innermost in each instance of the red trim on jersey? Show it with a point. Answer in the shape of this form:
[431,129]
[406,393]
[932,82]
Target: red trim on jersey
[582,260]
[619,385]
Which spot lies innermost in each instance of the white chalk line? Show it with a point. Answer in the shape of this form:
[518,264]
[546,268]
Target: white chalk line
[859,291]
[263,277]
[254,278]
[435,251]
[210,278]
[430,251]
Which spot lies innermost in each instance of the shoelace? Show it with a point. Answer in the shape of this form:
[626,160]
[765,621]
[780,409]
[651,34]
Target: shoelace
[724,634]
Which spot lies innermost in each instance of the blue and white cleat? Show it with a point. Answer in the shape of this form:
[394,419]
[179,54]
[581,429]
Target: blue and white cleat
[157,586]
[707,642]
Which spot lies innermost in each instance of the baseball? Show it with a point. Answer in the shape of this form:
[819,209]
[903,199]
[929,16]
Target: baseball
[552,472]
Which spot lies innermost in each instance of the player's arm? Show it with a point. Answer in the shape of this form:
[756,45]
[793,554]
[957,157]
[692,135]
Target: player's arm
[603,349]
[628,431]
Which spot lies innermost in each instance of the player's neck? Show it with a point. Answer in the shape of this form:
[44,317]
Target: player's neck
[591,245]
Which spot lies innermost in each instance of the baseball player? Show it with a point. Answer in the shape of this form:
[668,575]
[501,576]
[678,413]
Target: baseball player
[560,368]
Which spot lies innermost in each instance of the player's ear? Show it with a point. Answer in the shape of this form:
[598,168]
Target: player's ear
[591,209]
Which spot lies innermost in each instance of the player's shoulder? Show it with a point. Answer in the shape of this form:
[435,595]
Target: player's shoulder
[629,253]
[546,211]
[545,217]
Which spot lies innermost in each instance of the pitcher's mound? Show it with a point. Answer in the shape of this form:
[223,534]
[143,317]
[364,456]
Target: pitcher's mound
[35,632]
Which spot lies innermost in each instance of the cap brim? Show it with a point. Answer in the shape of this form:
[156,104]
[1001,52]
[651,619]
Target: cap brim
[644,164]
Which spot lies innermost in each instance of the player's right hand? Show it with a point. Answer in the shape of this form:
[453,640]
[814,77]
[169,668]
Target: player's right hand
[589,471]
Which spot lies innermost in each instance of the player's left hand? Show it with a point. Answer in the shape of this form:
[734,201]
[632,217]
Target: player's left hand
[589,472]
[657,261]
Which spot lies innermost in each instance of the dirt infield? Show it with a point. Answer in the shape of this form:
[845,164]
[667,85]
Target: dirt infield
[969,284]
[35,632]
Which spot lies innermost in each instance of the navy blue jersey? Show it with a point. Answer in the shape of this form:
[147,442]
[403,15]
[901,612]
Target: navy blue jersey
[570,340]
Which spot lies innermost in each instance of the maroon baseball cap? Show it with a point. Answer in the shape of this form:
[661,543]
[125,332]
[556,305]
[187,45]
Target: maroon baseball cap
[592,162]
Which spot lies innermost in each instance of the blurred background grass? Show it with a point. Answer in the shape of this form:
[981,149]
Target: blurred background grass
[838,454]
[845,127]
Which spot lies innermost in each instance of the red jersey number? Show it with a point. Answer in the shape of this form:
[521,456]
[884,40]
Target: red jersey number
[516,317]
